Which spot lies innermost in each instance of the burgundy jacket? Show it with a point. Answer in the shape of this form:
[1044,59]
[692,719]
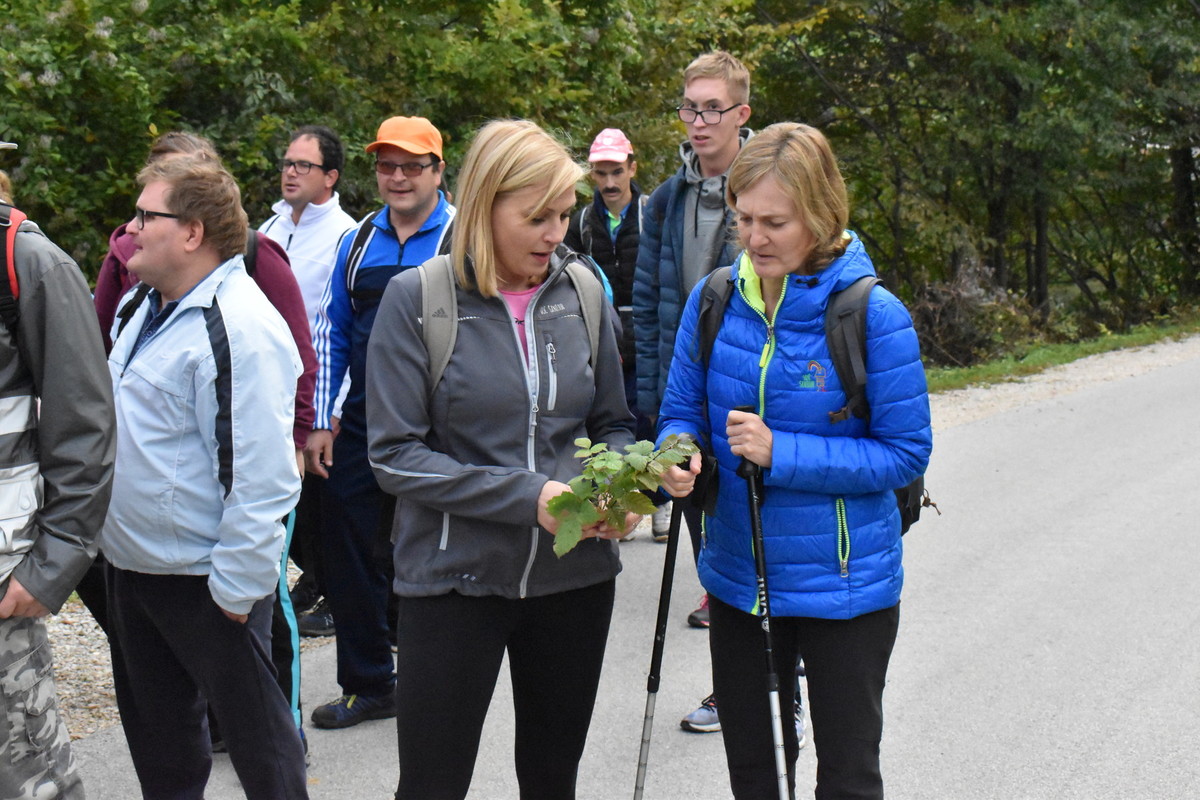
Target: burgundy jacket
[273,274]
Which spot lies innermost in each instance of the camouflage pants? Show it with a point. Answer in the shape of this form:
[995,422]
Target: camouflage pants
[36,763]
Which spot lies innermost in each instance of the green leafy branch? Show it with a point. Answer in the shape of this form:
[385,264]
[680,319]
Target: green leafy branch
[611,485]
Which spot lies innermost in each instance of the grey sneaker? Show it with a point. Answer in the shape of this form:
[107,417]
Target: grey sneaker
[317,622]
[704,719]
[660,522]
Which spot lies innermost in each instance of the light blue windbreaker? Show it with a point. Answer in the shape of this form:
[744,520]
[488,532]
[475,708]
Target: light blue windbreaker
[830,521]
[205,465]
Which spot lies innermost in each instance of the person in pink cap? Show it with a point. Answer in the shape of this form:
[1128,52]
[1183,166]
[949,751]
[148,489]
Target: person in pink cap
[608,230]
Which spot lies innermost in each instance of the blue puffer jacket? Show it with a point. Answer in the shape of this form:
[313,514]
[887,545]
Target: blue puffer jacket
[830,521]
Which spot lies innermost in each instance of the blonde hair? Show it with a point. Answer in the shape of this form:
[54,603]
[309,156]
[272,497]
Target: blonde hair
[724,67]
[800,159]
[182,143]
[505,156]
[5,188]
[201,190]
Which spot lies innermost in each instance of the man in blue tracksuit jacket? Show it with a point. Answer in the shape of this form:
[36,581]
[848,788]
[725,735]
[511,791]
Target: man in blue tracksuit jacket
[407,231]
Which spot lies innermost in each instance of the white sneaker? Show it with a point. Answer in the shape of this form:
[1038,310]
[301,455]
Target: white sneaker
[660,522]
[801,739]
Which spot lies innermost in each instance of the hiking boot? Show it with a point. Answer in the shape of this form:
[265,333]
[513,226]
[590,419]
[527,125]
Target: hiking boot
[351,709]
[317,622]
[660,522]
[699,617]
[704,719]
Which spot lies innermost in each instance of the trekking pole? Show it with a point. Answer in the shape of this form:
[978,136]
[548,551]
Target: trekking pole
[660,638]
[752,473]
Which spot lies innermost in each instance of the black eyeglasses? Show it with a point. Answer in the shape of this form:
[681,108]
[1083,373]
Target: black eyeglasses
[301,167]
[141,214]
[711,116]
[411,169]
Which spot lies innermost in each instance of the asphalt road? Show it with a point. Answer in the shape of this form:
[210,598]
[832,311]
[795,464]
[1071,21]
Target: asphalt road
[1049,640]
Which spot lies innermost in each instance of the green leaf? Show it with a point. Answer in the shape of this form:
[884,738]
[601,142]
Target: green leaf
[569,534]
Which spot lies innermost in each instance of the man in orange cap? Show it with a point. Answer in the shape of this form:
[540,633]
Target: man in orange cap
[412,227]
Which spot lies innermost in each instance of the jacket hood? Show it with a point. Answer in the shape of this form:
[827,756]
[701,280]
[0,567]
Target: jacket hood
[691,162]
[121,245]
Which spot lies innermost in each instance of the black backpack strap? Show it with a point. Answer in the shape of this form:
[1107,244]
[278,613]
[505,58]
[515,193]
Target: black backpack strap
[846,337]
[714,297]
[251,256]
[362,237]
[445,242]
[10,222]
[585,231]
[131,305]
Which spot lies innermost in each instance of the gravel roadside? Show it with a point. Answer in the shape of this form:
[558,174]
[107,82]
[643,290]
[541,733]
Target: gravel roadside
[81,657]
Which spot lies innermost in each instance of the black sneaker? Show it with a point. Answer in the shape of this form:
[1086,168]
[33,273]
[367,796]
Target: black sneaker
[318,622]
[351,709]
[699,617]
[304,595]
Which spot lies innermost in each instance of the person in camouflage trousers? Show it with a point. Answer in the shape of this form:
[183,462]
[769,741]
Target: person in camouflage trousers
[55,479]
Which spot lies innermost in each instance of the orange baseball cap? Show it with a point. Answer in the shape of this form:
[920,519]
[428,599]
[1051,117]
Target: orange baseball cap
[414,134]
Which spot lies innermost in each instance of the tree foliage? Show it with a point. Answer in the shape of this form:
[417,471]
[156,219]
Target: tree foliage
[1014,167]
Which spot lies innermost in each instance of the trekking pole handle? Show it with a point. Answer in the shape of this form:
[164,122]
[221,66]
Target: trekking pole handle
[747,469]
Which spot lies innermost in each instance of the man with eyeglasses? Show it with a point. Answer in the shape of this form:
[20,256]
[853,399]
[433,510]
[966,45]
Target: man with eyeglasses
[56,462]
[411,228]
[308,223]
[204,377]
[685,237]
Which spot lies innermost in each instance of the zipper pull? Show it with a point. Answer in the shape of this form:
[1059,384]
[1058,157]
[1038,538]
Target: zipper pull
[553,353]
[533,412]
[845,568]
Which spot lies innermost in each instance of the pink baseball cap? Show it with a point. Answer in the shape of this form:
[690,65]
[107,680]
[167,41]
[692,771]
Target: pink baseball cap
[610,145]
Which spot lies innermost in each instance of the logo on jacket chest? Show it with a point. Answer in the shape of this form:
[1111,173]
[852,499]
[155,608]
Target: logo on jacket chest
[813,377]
[551,308]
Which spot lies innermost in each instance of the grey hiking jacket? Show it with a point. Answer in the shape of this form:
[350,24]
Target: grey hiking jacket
[467,464]
[56,464]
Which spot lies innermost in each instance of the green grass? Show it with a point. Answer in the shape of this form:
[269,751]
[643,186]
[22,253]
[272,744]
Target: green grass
[1039,357]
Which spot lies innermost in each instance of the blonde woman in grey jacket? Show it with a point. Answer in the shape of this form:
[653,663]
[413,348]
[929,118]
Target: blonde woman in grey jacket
[474,461]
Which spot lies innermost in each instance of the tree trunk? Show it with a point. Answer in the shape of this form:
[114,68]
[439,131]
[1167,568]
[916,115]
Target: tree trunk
[1039,280]
[1183,218]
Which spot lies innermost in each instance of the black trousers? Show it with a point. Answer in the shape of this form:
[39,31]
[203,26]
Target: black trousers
[358,572]
[172,648]
[450,653]
[845,663]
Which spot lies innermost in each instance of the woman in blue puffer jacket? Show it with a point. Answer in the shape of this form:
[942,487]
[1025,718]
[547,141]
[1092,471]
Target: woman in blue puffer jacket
[830,522]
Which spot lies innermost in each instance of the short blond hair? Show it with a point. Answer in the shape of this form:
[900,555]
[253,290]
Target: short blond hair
[724,67]
[5,188]
[800,159]
[505,156]
[201,190]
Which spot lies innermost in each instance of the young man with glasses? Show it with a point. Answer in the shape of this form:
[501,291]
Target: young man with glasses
[356,529]
[685,236]
[309,223]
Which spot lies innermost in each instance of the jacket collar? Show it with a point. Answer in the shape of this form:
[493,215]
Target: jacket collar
[312,213]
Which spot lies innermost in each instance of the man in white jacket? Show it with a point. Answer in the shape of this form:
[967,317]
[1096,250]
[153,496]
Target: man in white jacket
[309,223]
[204,378]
